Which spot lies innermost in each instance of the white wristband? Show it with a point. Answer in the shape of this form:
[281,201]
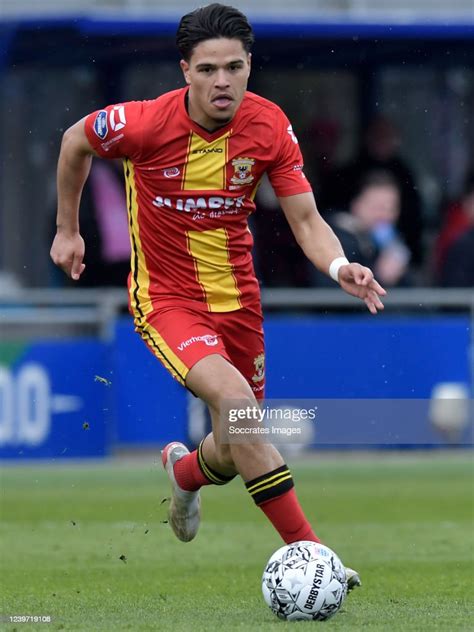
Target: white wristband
[334,267]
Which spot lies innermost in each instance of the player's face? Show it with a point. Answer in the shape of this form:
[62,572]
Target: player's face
[217,75]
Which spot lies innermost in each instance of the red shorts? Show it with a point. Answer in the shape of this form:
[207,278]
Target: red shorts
[179,337]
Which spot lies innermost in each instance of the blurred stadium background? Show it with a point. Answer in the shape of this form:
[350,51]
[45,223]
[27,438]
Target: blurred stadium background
[84,407]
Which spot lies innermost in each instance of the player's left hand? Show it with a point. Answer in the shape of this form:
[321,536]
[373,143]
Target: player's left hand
[359,281]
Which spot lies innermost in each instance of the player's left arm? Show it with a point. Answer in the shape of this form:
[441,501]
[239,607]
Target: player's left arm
[322,247]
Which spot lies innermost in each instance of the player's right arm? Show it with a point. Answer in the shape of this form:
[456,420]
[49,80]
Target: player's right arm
[74,165]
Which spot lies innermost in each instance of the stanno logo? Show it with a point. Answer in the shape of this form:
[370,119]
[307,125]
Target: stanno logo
[207,339]
[208,150]
[117,118]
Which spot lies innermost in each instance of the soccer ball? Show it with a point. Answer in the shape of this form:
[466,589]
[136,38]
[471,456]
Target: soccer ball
[304,581]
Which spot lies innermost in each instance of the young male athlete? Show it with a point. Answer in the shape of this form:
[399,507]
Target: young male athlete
[193,160]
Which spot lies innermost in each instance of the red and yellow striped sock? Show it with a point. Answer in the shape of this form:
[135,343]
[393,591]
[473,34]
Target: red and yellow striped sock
[192,472]
[275,495]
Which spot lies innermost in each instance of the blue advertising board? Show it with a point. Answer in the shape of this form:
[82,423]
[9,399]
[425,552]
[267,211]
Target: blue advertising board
[150,406]
[85,398]
[54,399]
[345,357]
[364,356]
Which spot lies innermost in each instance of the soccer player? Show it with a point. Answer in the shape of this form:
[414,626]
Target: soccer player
[193,160]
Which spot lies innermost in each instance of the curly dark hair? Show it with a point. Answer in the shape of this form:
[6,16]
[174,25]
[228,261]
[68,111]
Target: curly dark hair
[214,21]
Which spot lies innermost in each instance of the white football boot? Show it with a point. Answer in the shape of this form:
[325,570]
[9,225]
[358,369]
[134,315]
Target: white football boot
[184,513]
[352,579]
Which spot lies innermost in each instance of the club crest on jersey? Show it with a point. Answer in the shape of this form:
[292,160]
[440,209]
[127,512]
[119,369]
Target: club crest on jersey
[100,124]
[242,171]
[259,364]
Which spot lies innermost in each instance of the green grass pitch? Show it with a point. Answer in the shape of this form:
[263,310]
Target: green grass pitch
[86,545]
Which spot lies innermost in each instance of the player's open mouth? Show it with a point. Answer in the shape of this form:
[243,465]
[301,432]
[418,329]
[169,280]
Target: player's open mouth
[222,102]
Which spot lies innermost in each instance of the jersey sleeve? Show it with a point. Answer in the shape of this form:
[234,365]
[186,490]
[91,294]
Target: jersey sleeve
[286,172]
[117,130]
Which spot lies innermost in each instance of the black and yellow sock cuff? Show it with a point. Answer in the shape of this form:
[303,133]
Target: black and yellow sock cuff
[270,485]
[214,477]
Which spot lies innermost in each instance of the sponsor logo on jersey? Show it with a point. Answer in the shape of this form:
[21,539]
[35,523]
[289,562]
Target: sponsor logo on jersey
[259,364]
[172,172]
[242,171]
[207,339]
[106,146]
[100,124]
[117,118]
[191,205]
[300,169]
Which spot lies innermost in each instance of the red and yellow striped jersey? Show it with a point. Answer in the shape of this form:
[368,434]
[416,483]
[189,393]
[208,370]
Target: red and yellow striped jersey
[190,193]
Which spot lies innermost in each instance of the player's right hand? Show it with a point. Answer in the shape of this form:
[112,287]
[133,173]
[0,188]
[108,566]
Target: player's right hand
[67,252]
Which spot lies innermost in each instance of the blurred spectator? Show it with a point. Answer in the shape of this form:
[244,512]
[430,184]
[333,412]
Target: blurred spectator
[380,152]
[104,227]
[455,247]
[458,270]
[458,219]
[368,231]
